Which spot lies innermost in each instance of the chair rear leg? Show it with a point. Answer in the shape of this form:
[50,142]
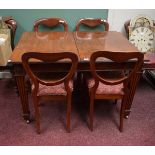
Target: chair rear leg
[68,116]
[91,113]
[37,114]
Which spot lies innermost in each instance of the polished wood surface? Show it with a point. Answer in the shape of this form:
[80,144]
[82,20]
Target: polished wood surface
[150,61]
[89,42]
[44,42]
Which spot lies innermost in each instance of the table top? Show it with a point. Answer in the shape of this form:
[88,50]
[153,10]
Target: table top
[88,42]
[83,44]
[44,42]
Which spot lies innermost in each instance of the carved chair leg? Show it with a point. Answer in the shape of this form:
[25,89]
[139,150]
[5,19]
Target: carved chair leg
[37,113]
[68,116]
[91,113]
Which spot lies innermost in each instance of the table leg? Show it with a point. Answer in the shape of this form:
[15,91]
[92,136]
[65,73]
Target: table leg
[130,98]
[23,97]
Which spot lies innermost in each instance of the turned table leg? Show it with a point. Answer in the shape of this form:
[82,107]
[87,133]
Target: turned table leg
[131,95]
[23,97]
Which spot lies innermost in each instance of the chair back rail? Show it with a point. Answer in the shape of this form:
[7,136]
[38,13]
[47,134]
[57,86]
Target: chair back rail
[92,22]
[119,58]
[50,22]
[50,57]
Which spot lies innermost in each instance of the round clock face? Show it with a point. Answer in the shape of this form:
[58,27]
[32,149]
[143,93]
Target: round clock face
[142,38]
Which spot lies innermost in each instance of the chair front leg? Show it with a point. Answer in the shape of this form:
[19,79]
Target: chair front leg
[122,111]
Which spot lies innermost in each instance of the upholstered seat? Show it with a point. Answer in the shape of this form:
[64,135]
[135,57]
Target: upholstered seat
[52,90]
[106,89]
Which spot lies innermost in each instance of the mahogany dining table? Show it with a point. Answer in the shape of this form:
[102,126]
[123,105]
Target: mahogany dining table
[83,44]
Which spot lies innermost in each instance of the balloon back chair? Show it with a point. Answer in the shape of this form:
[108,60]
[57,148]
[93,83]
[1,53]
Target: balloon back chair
[58,89]
[116,87]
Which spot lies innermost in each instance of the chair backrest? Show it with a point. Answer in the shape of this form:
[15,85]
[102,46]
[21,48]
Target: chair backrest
[119,59]
[50,58]
[126,26]
[92,22]
[50,22]
[12,24]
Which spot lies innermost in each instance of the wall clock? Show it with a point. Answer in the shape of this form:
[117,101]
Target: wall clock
[141,21]
[143,39]
[141,33]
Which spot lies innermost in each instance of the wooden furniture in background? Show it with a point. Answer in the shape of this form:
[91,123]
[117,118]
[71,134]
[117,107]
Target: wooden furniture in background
[50,22]
[59,89]
[114,87]
[92,22]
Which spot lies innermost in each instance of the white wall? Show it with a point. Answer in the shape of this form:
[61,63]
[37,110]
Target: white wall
[117,17]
